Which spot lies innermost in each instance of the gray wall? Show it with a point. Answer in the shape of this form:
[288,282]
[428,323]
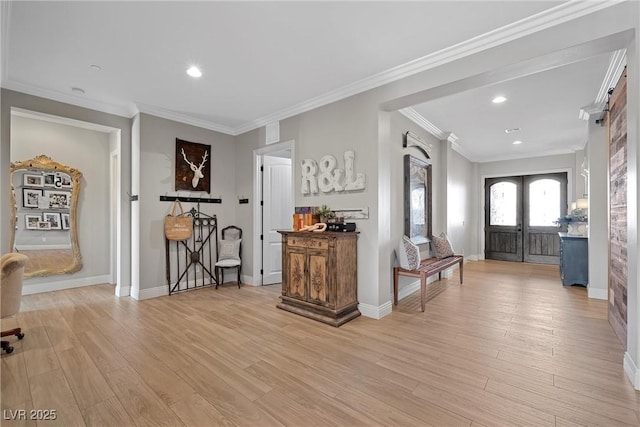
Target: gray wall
[9,99]
[87,151]
[157,166]
[399,124]
[462,205]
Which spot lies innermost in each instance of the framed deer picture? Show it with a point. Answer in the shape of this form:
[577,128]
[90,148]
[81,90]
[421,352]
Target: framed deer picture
[193,171]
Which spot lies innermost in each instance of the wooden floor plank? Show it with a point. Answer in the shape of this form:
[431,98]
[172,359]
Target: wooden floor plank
[511,346]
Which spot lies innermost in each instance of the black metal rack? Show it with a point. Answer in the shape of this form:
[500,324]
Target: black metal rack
[193,256]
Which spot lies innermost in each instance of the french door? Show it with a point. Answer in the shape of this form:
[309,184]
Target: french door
[519,217]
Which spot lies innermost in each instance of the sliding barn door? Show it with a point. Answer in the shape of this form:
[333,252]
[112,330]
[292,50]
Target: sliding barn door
[618,209]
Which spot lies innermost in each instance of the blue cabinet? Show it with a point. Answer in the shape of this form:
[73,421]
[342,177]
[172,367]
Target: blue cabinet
[574,259]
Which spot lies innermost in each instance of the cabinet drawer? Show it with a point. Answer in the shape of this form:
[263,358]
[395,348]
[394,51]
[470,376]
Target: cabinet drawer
[303,242]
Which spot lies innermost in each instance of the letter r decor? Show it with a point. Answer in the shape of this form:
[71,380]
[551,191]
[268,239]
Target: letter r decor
[193,171]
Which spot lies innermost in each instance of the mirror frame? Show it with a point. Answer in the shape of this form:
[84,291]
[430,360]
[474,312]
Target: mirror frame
[44,163]
[412,167]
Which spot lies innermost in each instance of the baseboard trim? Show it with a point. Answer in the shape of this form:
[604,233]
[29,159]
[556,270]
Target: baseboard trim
[375,312]
[123,291]
[631,369]
[158,291]
[412,287]
[38,288]
[38,247]
[596,293]
[248,280]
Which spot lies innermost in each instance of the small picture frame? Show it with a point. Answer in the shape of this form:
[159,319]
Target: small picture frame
[65,181]
[52,218]
[49,179]
[32,180]
[31,221]
[44,225]
[65,221]
[30,197]
[58,199]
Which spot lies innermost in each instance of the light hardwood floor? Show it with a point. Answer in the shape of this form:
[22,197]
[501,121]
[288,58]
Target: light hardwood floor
[509,347]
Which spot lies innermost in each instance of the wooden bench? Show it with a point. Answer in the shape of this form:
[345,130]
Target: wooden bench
[428,267]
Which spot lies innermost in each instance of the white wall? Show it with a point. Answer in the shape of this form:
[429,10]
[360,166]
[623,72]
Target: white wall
[598,210]
[462,204]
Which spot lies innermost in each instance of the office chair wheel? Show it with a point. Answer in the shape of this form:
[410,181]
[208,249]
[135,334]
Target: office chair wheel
[20,335]
[8,349]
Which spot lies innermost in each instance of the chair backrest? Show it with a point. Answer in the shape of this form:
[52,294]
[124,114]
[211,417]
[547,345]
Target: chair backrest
[12,265]
[229,233]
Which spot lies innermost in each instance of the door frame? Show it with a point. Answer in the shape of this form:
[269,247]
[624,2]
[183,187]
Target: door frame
[481,217]
[256,280]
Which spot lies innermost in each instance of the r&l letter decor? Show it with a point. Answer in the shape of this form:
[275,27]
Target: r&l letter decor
[193,169]
[331,178]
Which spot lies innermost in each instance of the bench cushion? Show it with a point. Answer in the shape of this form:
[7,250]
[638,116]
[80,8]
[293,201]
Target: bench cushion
[408,254]
[442,246]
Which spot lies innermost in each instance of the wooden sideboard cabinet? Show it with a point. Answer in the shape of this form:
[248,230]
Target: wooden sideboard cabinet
[574,259]
[319,275]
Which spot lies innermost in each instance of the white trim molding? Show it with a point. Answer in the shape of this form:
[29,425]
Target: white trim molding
[142,294]
[37,288]
[376,312]
[631,369]
[596,293]
[562,13]
[123,291]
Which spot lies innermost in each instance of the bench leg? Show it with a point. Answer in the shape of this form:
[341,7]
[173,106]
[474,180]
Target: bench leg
[439,275]
[395,285]
[423,290]
[461,271]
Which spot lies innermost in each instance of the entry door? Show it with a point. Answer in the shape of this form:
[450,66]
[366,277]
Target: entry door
[503,218]
[277,210]
[520,214]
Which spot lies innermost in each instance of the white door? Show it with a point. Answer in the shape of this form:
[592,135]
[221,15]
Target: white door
[277,214]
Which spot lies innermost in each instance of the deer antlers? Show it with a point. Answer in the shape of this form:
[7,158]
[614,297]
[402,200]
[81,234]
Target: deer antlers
[197,170]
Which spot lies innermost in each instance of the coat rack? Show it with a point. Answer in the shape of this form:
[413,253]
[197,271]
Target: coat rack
[189,199]
[192,260]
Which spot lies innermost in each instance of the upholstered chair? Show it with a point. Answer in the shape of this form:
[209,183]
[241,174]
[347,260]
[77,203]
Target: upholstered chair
[229,252]
[11,292]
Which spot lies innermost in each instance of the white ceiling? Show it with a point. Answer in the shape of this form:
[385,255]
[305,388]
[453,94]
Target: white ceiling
[263,61]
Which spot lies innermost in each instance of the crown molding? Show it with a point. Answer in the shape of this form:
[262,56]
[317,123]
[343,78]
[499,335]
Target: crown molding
[616,67]
[183,118]
[421,121]
[551,17]
[118,110]
[425,124]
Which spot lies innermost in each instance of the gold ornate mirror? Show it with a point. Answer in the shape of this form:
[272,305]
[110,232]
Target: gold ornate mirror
[44,218]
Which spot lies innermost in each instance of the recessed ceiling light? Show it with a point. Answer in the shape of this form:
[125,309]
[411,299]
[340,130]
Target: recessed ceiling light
[194,72]
[77,90]
[512,130]
[499,99]
[95,67]
[517,142]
